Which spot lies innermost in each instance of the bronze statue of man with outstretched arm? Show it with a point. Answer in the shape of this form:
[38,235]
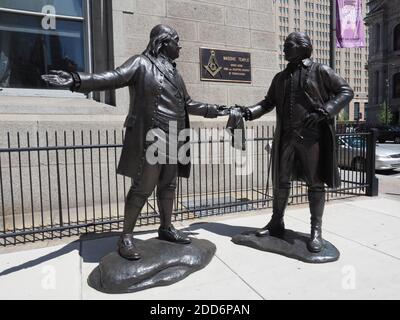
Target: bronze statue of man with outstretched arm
[158,97]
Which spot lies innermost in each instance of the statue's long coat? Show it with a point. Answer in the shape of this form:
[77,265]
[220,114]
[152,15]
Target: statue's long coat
[324,89]
[150,83]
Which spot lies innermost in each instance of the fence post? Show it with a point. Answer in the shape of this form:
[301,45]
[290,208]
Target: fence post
[372,180]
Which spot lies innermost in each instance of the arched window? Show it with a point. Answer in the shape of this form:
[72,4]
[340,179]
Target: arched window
[396,38]
[396,85]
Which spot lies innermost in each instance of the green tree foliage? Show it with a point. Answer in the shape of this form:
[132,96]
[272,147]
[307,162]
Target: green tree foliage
[343,116]
[385,115]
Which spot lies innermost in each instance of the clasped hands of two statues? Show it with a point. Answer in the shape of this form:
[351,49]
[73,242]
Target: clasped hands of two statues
[311,119]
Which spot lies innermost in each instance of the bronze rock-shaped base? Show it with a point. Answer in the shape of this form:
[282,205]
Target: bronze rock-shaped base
[292,245]
[162,264]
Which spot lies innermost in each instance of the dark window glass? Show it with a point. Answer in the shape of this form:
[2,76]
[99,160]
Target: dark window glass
[356,111]
[27,50]
[378,37]
[396,38]
[376,86]
[396,85]
[62,7]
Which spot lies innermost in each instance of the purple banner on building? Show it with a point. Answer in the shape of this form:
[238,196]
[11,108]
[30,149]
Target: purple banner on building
[349,24]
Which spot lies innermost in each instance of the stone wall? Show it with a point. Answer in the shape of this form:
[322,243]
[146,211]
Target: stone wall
[241,25]
[383,60]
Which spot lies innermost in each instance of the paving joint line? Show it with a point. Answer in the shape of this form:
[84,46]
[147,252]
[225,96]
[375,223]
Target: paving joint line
[80,269]
[240,277]
[375,210]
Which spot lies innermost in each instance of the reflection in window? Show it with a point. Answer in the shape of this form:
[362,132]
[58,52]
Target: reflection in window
[27,50]
[396,38]
[396,85]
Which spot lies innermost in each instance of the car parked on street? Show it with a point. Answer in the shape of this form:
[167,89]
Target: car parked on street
[384,132]
[388,133]
[352,154]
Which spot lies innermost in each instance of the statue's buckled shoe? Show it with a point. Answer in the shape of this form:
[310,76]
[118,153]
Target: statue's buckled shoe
[272,229]
[172,235]
[126,247]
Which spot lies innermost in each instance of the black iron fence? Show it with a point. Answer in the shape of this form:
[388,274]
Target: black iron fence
[56,185]
[351,127]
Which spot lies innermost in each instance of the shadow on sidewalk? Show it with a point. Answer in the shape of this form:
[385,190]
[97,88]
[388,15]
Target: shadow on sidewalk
[221,229]
[92,247]
[53,255]
[230,231]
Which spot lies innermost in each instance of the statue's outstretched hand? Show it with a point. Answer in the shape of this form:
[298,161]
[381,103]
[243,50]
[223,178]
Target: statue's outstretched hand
[59,78]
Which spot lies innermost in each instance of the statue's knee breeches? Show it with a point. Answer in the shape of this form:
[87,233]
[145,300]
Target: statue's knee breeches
[317,187]
[166,186]
[166,192]
[137,197]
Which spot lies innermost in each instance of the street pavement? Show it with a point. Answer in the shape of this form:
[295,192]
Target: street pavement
[389,182]
[365,230]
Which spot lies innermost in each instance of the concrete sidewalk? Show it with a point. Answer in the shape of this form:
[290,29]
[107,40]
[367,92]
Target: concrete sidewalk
[365,230]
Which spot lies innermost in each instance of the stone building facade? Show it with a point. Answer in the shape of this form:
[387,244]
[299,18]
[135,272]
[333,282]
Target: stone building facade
[383,20]
[110,32]
[219,24]
[313,17]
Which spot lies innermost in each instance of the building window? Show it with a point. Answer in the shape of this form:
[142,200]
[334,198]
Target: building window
[396,86]
[36,37]
[396,38]
[378,37]
[376,87]
[357,115]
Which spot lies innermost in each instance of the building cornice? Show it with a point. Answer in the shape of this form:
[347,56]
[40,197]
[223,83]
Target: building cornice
[376,9]
[376,5]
